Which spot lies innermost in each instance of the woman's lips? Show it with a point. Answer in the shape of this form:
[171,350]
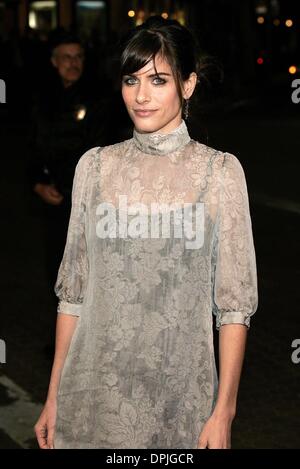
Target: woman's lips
[144,113]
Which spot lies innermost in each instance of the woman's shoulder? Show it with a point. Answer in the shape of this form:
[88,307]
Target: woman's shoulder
[86,161]
[118,145]
[217,158]
[198,153]
[111,149]
[91,156]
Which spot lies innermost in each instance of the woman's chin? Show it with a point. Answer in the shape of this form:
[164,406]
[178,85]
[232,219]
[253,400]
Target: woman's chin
[146,125]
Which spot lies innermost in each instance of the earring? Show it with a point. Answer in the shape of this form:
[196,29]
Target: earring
[186,109]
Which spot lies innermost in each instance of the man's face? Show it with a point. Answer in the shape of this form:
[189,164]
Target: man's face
[68,60]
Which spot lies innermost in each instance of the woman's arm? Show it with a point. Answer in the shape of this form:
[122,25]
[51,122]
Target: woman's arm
[65,327]
[216,432]
[235,296]
[44,428]
[232,344]
[70,288]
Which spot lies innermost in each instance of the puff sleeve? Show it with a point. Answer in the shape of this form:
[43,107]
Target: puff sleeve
[234,275]
[72,275]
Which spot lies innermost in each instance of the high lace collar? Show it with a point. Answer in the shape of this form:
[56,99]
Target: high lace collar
[161,144]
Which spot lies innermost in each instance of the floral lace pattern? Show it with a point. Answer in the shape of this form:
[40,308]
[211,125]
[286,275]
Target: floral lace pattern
[140,371]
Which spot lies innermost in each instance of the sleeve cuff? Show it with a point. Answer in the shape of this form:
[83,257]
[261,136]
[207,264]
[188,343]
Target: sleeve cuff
[69,308]
[232,317]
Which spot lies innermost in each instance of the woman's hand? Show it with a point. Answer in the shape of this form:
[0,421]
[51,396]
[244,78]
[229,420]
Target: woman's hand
[216,433]
[48,193]
[44,428]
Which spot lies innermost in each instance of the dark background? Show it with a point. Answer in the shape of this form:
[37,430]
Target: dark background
[247,111]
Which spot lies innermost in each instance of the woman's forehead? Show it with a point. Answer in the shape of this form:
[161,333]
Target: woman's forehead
[161,64]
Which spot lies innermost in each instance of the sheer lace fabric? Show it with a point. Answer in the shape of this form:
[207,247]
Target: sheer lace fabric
[140,371]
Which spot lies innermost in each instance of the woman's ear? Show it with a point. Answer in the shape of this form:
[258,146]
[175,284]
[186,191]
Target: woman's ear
[189,85]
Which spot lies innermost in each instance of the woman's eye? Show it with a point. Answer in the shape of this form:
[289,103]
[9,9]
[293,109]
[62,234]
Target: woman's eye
[132,81]
[128,81]
[161,81]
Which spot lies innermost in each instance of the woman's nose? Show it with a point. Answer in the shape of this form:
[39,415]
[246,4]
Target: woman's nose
[142,94]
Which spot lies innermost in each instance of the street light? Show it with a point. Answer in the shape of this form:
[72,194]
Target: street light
[293,69]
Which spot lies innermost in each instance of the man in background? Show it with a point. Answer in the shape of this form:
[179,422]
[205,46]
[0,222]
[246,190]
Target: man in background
[69,117]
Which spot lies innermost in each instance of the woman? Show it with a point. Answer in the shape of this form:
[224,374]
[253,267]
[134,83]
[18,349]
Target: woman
[134,365]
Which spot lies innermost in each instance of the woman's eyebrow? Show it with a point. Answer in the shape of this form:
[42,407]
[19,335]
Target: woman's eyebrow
[158,73]
[149,76]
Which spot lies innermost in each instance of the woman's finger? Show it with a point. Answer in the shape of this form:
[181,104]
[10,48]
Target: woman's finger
[41,434]
[202,444]
[50,439]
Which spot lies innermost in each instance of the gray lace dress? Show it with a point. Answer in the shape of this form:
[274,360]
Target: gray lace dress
[140,371]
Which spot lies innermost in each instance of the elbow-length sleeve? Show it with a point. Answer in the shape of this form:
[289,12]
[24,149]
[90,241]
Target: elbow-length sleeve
[72,275]
[234,275]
